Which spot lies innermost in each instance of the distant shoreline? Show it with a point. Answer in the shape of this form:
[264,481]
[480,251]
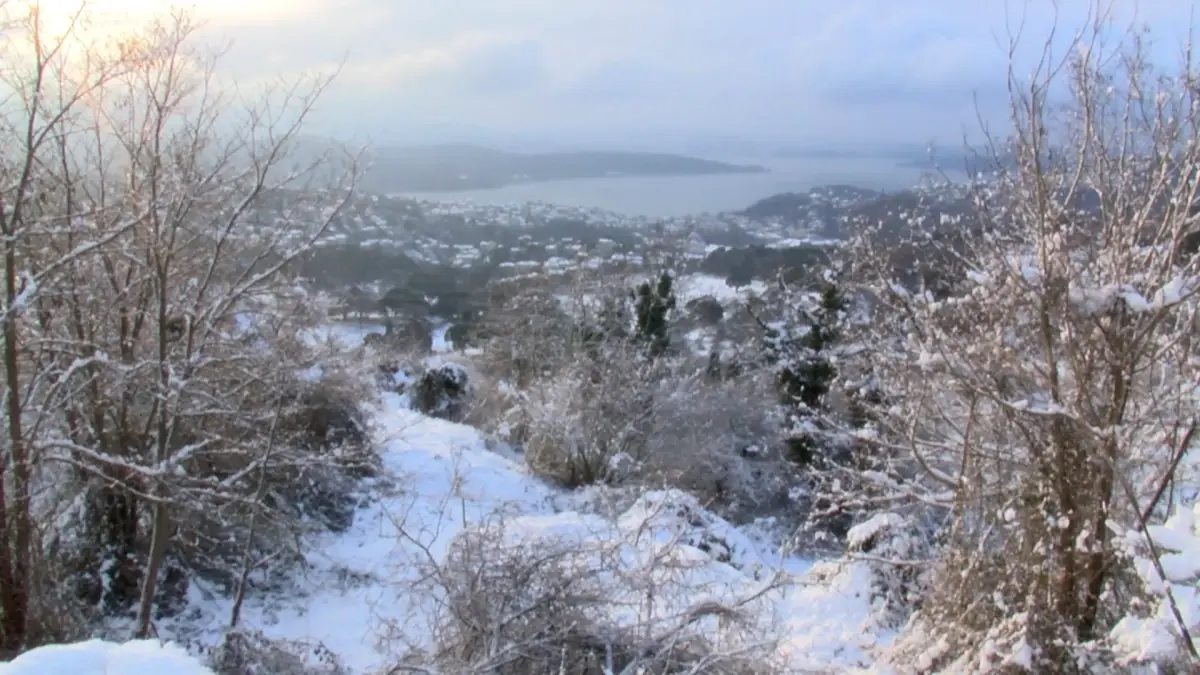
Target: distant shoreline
[681,195]
[459,168]
[562,179]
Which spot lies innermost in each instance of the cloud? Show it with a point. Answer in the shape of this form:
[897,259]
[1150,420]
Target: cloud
[797,68]
[500,69]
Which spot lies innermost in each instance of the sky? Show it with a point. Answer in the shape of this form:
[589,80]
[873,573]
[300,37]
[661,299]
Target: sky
[603,72]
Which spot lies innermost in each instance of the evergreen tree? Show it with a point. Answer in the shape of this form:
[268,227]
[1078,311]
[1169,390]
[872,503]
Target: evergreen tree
[652,306]
[802,350]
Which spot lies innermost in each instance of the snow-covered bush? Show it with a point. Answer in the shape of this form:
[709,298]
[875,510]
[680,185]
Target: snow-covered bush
[628,421]
[528,334]
[525,610]
[1167,560]
[582,419]
[442,391]
[327,420]
[583,594]
[162,417]
[391,369]
[603,408]
[720,440]
[1042,399]
[252,653]
[897,552]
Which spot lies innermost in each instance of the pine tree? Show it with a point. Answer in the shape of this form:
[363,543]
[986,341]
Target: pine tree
[652,306]
[802,349]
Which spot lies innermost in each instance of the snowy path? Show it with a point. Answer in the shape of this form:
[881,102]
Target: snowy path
[435,472]
[438,476]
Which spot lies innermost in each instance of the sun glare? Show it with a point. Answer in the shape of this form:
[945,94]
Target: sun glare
[108,16]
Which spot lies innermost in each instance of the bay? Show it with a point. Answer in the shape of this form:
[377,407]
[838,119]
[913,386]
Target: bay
[673,196]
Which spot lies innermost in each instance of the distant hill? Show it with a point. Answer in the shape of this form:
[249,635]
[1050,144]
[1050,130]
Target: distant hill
[820,208]
[790,206]
[970,161]
[439,168]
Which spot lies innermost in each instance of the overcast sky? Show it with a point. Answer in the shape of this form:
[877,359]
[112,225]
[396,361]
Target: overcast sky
[801,71]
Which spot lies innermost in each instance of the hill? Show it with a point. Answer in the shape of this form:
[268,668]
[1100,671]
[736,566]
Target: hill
[438,168]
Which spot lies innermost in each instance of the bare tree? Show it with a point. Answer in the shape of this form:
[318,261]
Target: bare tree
[152,329]
[49,79]
[1044,397]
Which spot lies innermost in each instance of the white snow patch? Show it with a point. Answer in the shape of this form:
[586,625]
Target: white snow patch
[830,625]
[692,286]
[440,343]
[347,334]
[96,657]
[1142,639]
[313,373]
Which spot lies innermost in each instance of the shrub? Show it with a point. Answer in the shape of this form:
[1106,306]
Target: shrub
[442,392]
[707,310]
[582,420]
[509,605]
[898,584]
[665,424]
[252,653]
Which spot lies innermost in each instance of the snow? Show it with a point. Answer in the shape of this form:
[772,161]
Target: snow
[1092,300]
[859,535]
[96,657]
[689,287]
[1175,291]
[347,334]
[441,343]
[830,626]
[27,290]
[980,278]
[1140,638]
[313,373]
[359,596]
[364,593]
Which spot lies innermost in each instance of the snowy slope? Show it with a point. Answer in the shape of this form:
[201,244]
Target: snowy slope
[359,599]
[362,597]
[435,472]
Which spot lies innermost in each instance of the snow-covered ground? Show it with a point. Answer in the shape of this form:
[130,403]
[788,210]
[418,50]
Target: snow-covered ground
[441,478]
[434,473]
[692,286]
[347,333]
[361,598]
[96,657]
[352,333]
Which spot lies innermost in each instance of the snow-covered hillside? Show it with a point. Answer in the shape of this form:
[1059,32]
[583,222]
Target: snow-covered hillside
[441,480]
[368,597]
[374,593]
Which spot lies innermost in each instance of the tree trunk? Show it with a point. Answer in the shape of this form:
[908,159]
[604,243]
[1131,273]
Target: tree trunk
[158,549]
[162,515]
[118,521]
[16,526]
[11,628]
